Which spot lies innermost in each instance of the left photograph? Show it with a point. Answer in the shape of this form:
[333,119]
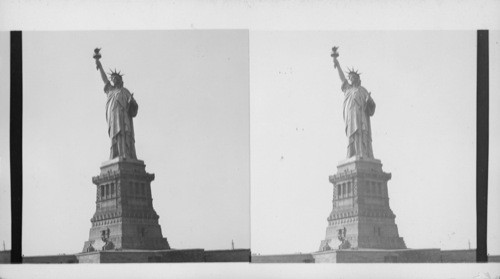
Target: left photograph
[136,146]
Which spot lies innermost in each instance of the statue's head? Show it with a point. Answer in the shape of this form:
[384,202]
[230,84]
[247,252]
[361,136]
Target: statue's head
[353,77]
[116,78]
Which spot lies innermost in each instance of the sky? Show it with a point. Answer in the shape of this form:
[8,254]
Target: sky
[5,220]
[493,240]
[192,131]
[423,130]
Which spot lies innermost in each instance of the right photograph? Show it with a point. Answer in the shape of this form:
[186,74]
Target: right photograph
[363,146]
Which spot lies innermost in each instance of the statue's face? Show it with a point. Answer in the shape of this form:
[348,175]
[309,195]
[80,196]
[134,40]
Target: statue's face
[354,79]
[116,80]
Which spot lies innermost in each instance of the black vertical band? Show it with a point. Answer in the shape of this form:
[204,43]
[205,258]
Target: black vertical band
[16,144]
[482,135]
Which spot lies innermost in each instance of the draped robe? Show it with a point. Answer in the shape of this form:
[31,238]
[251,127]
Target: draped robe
[120,109]
[358,107]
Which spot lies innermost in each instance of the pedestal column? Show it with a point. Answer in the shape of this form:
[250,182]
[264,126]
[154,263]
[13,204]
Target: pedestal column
[361,216]
[124,217]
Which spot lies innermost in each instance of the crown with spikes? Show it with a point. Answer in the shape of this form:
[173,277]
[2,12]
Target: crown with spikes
[352,72]
[115,73]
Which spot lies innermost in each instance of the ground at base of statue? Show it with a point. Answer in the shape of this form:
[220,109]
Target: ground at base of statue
[373,256]
[146,256]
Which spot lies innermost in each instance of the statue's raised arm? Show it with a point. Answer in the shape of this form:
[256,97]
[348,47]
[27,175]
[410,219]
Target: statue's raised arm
[336,64]
[98,64]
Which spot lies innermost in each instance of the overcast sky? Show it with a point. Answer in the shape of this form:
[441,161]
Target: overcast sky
[5,224]
[424,132]
[494,147]
[192,131]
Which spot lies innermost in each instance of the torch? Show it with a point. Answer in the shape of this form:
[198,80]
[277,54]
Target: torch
[335,54]
[97,56]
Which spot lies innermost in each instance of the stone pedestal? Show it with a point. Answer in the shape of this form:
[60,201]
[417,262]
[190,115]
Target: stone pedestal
[361,215]
[124,217]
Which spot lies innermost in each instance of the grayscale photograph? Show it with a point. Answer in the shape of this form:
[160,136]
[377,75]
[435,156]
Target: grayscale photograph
[363,146]
[249,139]
[5,212]
[136,147]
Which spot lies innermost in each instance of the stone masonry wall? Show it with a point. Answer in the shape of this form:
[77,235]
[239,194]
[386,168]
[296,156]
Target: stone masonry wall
[379,256]
[291,258]
[237,255]
[458,256]
[5,256]
[165,256]
[51,259]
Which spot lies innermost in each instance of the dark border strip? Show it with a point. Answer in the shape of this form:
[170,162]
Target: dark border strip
[482,135]
[16,144]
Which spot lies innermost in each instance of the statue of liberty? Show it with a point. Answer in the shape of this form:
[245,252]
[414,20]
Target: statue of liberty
[121,108]
[358,108]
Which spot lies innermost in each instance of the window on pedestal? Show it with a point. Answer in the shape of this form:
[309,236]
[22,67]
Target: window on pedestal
[137,189]
[339,190]
[102,191]
[143,189]
[348,188]
[107,190]
[344,190]
[112,188]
